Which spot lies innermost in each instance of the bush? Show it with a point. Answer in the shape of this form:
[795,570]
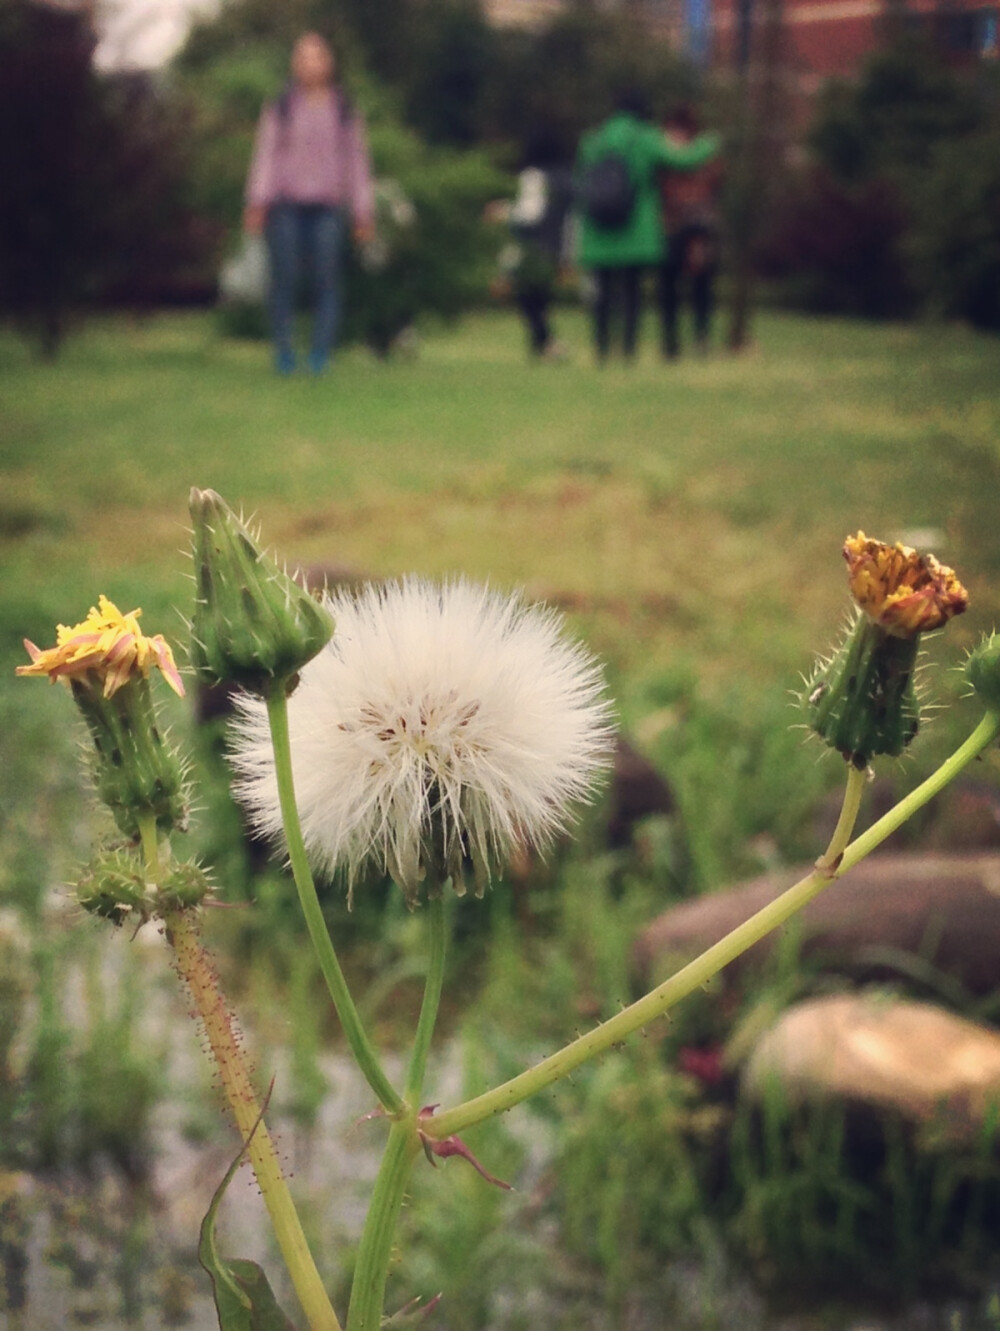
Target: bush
[899,208]
[956,247]
[838,248]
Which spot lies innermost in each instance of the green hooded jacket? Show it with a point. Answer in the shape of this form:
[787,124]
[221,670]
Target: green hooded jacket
[645,149]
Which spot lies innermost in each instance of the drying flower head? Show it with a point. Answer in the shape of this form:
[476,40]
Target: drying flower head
[905,593]
[253,624]
[107,646]
[862,700]
[106,661]
[440,724]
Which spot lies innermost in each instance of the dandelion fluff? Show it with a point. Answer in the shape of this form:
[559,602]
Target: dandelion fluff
[439,724]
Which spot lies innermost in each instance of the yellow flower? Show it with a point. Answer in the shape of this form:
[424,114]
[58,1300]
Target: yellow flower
[107,643]
[902,592]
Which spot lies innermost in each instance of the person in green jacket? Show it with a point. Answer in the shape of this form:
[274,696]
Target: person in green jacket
[618,253]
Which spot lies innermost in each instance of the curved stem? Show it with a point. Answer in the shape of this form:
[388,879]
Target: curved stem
[364,1053]
[830,859]
[981,738]
[429,1006]
[375,1250]
[199,975]
[703,968]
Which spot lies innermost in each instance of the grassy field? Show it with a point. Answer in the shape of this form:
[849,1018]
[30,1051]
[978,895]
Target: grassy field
[689,520]
[689,517]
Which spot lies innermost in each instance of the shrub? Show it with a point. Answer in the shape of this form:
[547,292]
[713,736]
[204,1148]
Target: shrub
[838,248]
[956,247]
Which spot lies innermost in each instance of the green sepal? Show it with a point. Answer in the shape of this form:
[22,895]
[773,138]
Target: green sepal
[252,623]
[244,1300]
[983,671]
[115,887]
[863,701]
[137,771]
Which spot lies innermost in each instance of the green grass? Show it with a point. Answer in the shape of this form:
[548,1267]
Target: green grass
[689,517]
[689,520]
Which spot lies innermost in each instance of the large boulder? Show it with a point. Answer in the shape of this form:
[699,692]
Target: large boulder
[912,1059]
[933,915]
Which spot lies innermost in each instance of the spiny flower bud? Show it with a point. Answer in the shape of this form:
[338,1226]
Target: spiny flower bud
[106,661]
[137,771]
[253,624]
[862,701]
[983,671]
[114,886]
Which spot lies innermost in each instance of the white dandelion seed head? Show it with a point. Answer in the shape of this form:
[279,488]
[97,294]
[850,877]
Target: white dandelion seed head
[440,723]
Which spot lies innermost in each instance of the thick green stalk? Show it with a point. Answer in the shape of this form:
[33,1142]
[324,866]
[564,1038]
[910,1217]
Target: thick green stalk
[375,1251]
[432,997]
[705,967]
[364,1053]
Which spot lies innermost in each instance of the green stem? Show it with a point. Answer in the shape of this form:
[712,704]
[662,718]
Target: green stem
[830,859]
[365,1055]
[705,967]
[981,738]
[432,997]
[149,838]
[375,1251]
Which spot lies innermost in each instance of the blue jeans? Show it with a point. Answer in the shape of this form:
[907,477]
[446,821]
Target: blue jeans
[305,238]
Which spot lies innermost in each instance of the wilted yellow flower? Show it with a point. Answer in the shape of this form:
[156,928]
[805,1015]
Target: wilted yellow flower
[901,591]
[108,644]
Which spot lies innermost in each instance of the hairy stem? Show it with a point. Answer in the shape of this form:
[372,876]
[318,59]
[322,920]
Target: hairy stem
[703,968]
[198,974]
[364,1053]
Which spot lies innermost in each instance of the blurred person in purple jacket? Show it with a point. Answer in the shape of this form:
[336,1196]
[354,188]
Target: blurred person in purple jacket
[310,177]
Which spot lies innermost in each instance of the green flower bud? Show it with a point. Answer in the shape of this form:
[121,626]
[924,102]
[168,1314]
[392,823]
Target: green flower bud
[136,770]
[114,886]
[253,624]
[862,701]
[983,671]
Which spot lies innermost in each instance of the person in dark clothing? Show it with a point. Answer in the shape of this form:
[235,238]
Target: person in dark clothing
[690,220]
[538,220]
[618,251]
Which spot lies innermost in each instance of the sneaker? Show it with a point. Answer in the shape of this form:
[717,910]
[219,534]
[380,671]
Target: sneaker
[318,361]
[284,362]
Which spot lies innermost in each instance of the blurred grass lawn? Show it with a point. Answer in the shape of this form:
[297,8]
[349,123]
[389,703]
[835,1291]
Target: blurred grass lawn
[688,516]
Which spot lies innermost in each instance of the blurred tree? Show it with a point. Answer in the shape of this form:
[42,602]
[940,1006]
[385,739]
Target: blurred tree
[565,78]
[890,121]
[451,68]
[956,243]
[93,201]
[900,207]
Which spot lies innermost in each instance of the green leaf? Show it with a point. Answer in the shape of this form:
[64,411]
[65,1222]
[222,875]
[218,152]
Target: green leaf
[244,1299]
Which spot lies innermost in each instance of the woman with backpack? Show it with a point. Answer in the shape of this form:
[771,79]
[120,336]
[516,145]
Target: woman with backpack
[309,178]
[618,198]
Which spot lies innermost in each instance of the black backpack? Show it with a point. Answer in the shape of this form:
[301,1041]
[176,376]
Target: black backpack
[606,192]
